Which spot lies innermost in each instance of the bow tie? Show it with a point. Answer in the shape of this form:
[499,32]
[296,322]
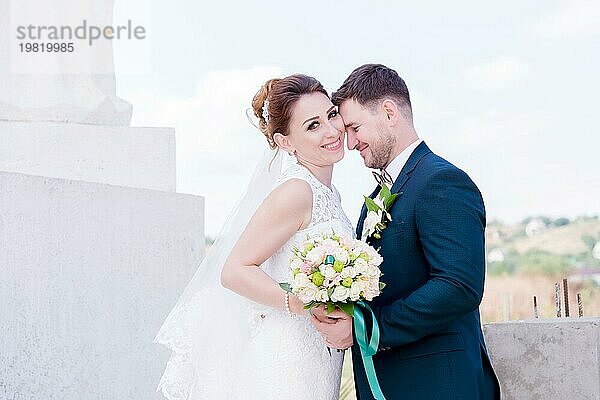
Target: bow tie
[383,177]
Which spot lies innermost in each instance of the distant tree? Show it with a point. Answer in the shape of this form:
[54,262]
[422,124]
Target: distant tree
[562,221]
[495,222]
[527,220]
[542,262]
[590,241]
[544,219]
[506,267]
[584,218]
[517,235]
[585,260]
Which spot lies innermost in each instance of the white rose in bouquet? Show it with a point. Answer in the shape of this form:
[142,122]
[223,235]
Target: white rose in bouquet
[348,272]
[340,293]
[308,293]
[327,271]
[335,271]
[322,296]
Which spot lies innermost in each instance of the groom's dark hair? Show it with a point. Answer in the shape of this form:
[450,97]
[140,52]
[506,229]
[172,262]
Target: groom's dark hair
[371,83]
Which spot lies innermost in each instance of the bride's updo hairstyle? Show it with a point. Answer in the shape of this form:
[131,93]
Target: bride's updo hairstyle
[274,102]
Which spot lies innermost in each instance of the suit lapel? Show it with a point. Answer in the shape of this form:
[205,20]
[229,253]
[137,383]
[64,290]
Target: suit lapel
[421,151]
[400,181]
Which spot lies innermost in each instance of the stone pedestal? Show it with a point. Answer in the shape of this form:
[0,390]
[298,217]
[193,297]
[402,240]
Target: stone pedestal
[96,246]
[125,156]
[88,273]
[552,359]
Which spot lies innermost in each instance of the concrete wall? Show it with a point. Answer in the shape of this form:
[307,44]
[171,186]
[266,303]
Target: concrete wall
[136,157]
[88,272]
[554,359]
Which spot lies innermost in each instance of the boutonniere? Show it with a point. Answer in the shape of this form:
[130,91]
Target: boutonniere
[378,213]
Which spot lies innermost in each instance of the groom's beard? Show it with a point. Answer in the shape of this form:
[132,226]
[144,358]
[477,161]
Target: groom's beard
[381,150]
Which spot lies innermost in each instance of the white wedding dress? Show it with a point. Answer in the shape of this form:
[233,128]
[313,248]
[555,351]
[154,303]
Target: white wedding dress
[282,357]
[287,358]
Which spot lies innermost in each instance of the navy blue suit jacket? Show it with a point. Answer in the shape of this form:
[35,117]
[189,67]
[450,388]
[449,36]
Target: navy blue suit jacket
[431,345]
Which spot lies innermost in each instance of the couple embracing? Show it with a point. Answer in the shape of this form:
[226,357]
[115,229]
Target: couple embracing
[236,334]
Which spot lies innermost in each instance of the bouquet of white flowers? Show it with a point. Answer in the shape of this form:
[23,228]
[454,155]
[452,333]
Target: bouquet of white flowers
[335,271]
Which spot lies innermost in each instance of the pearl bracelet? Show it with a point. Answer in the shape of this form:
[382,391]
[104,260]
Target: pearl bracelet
[287,305]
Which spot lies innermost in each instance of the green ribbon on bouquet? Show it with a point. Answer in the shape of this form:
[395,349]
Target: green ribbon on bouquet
[367,350]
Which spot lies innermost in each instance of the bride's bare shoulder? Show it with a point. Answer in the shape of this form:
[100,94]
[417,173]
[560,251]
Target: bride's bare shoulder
[291,200]
[294,192]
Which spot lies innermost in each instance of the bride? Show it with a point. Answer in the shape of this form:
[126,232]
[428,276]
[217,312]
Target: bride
[255,341]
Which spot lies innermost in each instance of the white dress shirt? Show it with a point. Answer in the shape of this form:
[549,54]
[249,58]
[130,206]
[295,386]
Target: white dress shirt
[398,163]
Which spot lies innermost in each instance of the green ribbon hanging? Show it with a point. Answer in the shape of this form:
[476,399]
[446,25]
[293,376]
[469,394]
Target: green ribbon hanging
[367,350]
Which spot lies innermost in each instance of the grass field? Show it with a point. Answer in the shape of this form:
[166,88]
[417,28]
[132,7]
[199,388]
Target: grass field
[511,298]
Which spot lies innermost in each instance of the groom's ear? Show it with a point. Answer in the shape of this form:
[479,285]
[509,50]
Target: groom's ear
[391,109]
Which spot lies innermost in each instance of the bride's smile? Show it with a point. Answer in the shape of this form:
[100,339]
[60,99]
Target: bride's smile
[334,146]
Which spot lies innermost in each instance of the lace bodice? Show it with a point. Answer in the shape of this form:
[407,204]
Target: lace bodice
[327,215]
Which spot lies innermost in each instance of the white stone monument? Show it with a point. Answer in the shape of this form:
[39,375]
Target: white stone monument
[76,86]
[95,243]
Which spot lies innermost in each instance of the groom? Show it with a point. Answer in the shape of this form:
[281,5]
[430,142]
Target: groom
[431,344]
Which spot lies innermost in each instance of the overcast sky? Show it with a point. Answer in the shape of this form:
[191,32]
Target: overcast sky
[506,91]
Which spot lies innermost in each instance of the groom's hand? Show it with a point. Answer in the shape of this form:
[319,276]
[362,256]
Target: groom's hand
[320,313]
[337,334]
